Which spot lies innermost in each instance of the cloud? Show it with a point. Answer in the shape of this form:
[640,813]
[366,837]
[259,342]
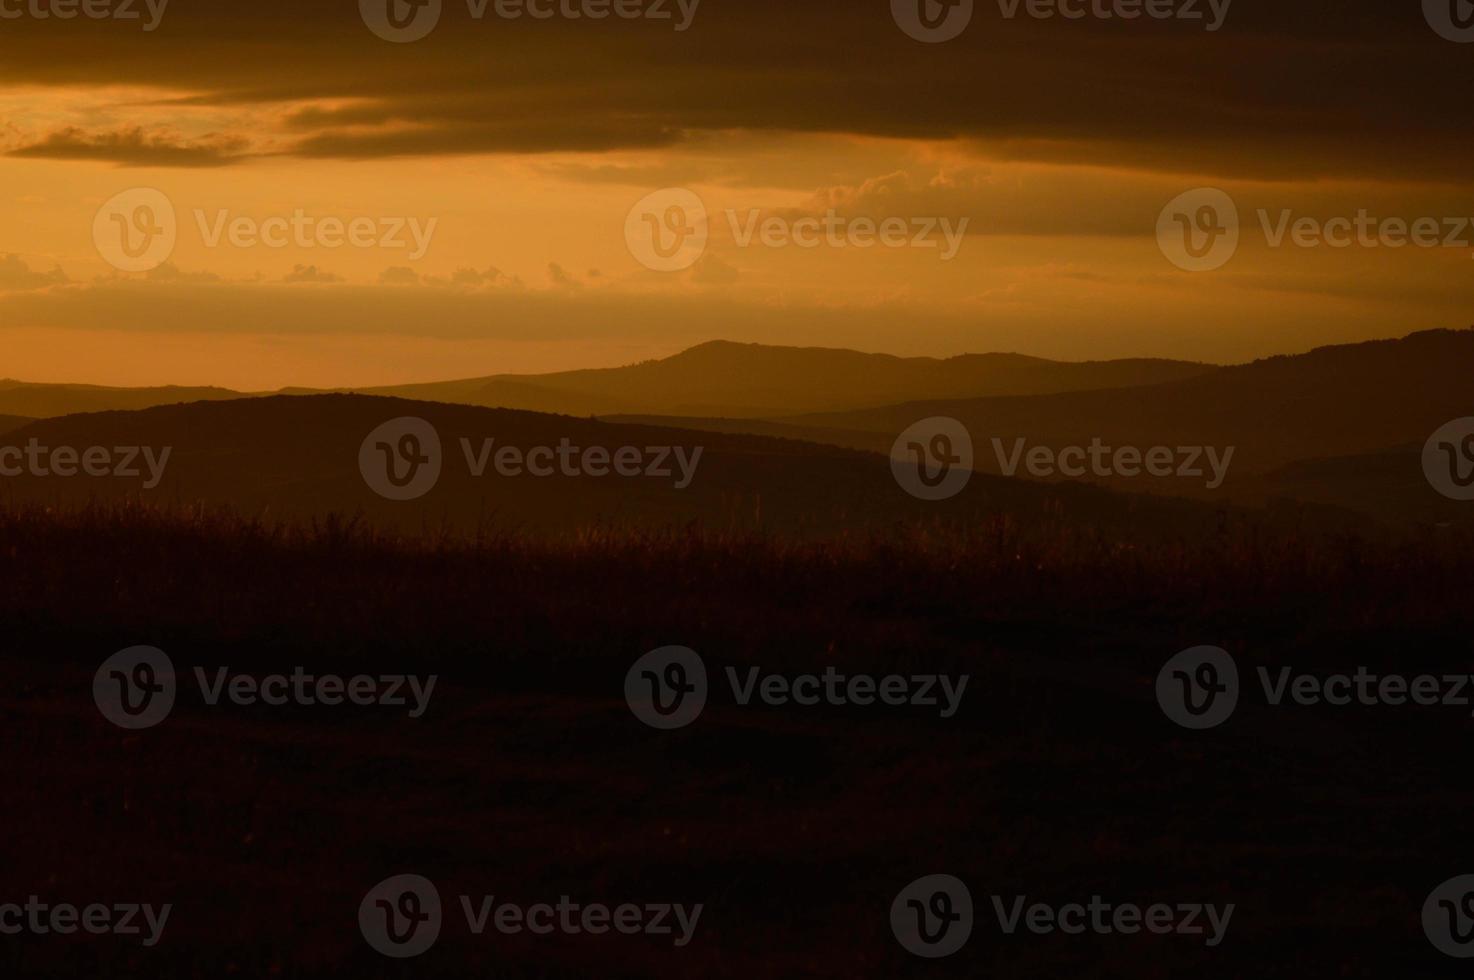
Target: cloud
[469,278]
[1084,318]
[310,273]
[475,277]
[710,270]
[169,272]
[15,274]
[399,275]
[134,147]
[1355,88]
[560,278]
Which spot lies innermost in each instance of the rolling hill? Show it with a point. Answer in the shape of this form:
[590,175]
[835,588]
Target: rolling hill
[1337,427]
[19,398]
[1376,401]
[733,380]
[713,379]
[297,458]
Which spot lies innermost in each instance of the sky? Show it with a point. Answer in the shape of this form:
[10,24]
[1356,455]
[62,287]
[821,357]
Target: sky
[338,193]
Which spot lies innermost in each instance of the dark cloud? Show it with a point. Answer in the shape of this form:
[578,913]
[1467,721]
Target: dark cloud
[399,275]
[1282,90]
[711,270]
[16,274]
[134,147]
[171,273]
[311,274]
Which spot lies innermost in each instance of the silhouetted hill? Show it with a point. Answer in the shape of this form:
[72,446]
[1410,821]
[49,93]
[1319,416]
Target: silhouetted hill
[11,422]
[1354,400]
[1389,485]
[48,400]
[721,378]
[716,378]
[297,458]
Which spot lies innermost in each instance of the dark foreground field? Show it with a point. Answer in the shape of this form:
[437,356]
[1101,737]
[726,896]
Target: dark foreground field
[529,778]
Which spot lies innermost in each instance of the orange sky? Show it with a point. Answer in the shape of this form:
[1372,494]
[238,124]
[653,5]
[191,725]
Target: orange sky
[1023,168]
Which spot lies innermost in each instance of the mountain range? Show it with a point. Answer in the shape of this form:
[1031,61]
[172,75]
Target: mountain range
[1298,426]
[1339,428]
[297,458]
[712,379]
[757,381]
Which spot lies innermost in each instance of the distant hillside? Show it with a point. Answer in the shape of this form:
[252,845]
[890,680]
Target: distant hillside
[1354,400]
[49,400]
[1389,485]
[9,422]
[713,379]
[297,457]
[753,380]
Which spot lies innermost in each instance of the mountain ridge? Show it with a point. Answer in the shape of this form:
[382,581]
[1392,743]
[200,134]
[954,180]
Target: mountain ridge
[715,377]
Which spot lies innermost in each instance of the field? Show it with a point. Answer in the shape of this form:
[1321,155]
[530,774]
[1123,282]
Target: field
[529,778]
